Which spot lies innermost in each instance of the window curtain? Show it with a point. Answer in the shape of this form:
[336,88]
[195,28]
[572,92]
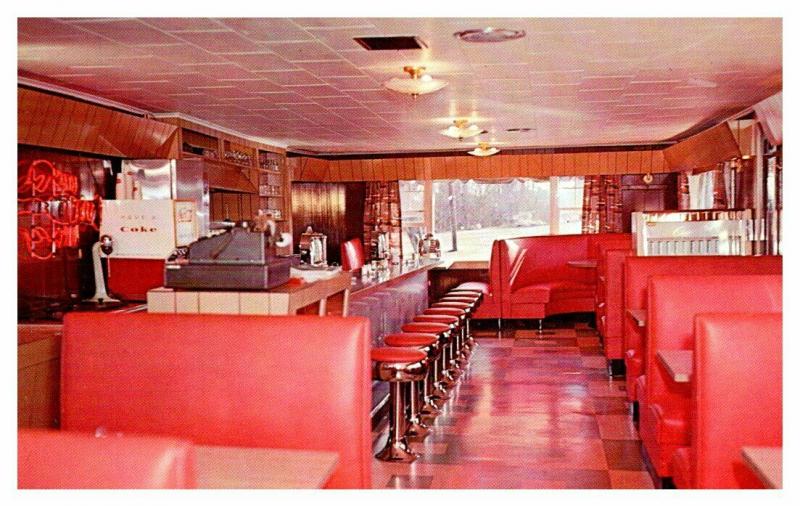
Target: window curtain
[382,214]
[602,204]
[712,189]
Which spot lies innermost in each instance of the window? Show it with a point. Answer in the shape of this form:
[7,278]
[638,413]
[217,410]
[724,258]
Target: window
[467,216]
[569,204]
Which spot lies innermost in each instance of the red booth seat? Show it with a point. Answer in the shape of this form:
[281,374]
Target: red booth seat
[611,294]
[737,399]
[56,459]
[529,276]
[637,273]
[296,382]
[673,303]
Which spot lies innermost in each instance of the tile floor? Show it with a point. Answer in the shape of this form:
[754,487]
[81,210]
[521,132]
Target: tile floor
[529,413]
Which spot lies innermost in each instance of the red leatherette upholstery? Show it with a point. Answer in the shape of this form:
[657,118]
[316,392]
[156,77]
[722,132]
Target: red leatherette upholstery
[352,254]
[61,459]
[638,271]
[530,276]
[611,296]
[673,303]
[737,398]
[300,382]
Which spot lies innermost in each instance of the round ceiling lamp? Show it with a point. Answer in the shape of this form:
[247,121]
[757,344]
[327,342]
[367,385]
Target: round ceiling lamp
[418,83]
[489,34]
[483,149]
[461,129]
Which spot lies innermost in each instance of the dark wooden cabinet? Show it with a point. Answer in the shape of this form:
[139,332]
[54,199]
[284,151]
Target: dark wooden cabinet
[660,194]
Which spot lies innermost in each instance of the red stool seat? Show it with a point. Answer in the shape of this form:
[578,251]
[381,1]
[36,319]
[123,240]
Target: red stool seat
[476,286]
[397,355]
[427,328]
[410,339]
[469,293]
[453,298]
[437,318]
[450,311]
[457,305]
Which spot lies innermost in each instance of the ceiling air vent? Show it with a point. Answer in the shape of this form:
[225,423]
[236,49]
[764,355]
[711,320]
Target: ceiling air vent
[395,43]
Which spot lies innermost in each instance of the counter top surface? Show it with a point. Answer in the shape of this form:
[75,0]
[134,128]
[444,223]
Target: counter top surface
[363,283]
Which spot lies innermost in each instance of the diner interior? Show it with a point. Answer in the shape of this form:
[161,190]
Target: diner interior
[418,253]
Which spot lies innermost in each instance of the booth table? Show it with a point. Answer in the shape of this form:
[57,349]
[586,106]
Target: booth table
[678,363]
[767,463]
[230,467]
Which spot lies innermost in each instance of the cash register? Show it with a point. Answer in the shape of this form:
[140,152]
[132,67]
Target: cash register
[237,259]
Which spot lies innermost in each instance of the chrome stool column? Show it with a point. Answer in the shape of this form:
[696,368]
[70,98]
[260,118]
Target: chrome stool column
[474,299]
[445,380]
[462,316]
[456,361]
[419,405]
[397,366]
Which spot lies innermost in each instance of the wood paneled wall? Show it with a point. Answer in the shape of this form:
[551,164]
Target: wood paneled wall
[58,122]
[470,167]
[637,195]
[38,371]
[704,150]
[335,209]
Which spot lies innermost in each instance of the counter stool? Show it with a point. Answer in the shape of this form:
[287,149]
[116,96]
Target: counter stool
[457,361]
[445,380]
[473,286]
[420,403]
[468,308]
[397,366]
[466,350]
[466,293]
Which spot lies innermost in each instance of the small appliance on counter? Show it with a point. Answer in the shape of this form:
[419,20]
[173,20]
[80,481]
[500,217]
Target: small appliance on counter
[313,248]
[237,259]
[429,247]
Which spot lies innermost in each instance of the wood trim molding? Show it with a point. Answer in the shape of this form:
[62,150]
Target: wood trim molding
[470,167]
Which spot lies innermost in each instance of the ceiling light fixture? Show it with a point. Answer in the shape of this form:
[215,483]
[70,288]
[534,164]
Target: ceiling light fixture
[483,149]
[418,83]
[489,34]
[461,129]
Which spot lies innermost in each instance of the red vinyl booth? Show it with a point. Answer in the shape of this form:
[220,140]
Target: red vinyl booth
[529,276]
[352,255]
[59,459]
[300,382]
[673,303]
[638,271]
[737,399]
[611,294]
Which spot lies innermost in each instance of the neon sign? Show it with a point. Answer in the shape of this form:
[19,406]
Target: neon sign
[50,212]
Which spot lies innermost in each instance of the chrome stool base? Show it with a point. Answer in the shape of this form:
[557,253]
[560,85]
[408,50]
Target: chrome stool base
[417,431]
[397,451]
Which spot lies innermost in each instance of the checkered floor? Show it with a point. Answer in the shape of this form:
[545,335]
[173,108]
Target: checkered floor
[530,412]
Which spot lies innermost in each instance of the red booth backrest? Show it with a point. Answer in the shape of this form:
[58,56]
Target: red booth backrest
[352,254]
[639,270]
[279,382]
[673,303]
[738,399]
[614,291]
[60,459]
